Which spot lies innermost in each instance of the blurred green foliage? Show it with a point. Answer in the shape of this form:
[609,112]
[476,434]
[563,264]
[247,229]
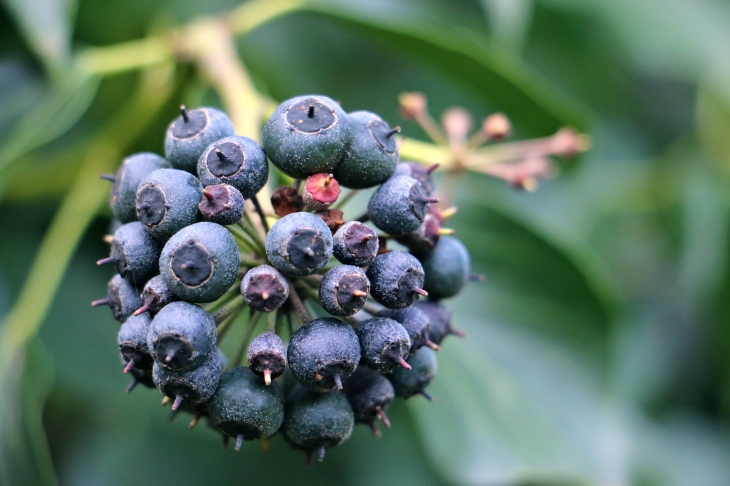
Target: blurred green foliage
[598,347]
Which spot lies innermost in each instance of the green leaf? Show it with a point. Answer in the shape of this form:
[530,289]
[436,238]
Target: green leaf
[47,28]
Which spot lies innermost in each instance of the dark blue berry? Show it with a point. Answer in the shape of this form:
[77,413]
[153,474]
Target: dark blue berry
[299,244]
[264,289]
[181,336]
[221,204]
[417,171]
[384,344]
[122,298]
[447,268]
[396,279]
[132,340]
[355,244]
[343,290]
[373,152]
[134,253]
[267,356]
[306,135]
[411,382]
[167,201]
[155,295]
[201,262]
[191,385]
[416,323]
[322,353]
[369,393]
[126,182]
[189,135]
[399,206]
[440,318]
[244,407]
[237,161]
[139,376]
[317,421]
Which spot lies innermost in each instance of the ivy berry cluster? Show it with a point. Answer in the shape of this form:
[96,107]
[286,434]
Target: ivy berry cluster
[336,343]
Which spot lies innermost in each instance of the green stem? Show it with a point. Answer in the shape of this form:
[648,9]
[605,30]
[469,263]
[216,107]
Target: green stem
[250,262]
[296,303]
[238,357]
[260,212]
[230,309]
[271,321]
[225,326]
[252,233]
[243,239]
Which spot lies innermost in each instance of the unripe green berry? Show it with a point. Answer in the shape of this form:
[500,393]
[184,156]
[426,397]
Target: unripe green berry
[246,408]
[447,268]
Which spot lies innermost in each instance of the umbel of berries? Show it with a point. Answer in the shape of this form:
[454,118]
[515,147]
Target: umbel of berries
[373,152]
[190,133]
[201,262]
[322,353]
[317,421]
[299,244]
[246,408]
[306,135]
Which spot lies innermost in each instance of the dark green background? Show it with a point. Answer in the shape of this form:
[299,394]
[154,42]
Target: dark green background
[598,345]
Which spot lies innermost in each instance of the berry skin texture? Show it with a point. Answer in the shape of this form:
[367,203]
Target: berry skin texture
[201,262]
[221,204]
[189,134]
[416,323]
[343,290]
[440,318]
[417,171]
[373,152]
[132,171]
[244,407]
[317,421]
[266,356]
[264,289]
[369,393]
[355,244]
[320,191]
[399,206]
[384,344]
[306,135]
[424,367]
[122,298]
[447,268]
[299,244]
[191,386]
[156,295]
[132,340]
[396,279]
[322,353]
[134,253]
[167,201]
[181,336]
[237,161]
